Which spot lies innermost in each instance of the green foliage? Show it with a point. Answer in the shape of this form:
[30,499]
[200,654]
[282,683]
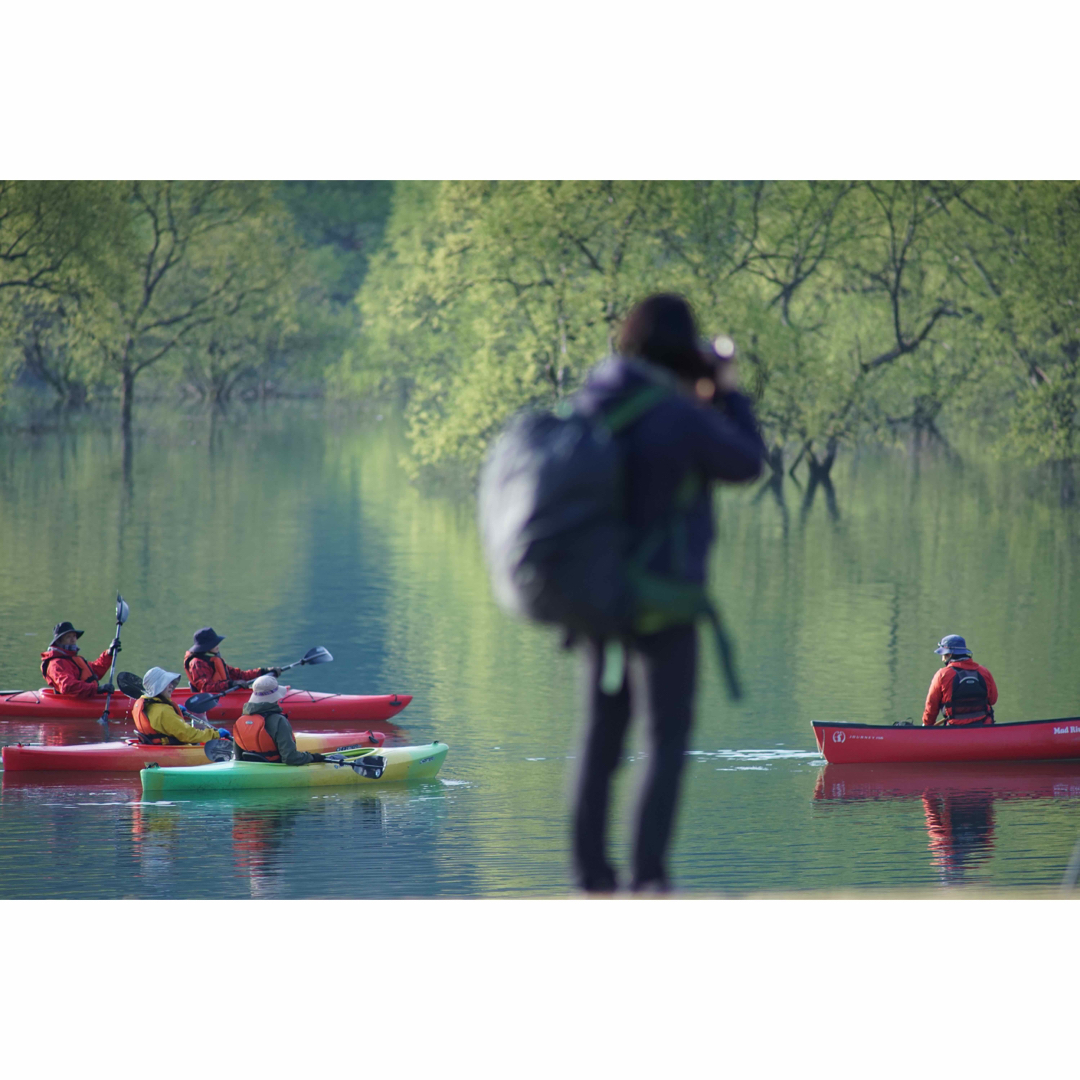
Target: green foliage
[207,285]
[861,308]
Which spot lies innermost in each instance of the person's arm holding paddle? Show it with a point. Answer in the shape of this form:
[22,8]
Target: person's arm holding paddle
[207,671]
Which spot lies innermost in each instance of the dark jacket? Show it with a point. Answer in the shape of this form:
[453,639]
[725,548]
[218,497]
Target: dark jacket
[280,730]
[678,436]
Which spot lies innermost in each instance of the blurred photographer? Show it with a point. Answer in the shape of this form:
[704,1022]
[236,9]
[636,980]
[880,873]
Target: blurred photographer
[704,432]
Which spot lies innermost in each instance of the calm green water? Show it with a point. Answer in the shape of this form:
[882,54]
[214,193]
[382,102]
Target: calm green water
[296,526]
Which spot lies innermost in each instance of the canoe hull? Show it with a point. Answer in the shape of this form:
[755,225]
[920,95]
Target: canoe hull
[402,763]
[301,705]
[131,756]
[1032,740]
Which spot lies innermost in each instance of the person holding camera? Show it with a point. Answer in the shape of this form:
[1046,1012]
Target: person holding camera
[703,431]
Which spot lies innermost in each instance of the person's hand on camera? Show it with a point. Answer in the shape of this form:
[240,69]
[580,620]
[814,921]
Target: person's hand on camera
[725,378]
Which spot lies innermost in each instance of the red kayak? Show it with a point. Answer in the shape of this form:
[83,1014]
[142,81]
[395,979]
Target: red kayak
[301,705]
[129,755]
[1031,740]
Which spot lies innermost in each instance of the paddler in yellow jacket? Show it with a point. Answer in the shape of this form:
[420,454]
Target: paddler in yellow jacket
[159,721]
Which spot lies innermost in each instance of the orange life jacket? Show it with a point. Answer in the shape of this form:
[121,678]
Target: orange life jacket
[147,733]
[250,734]
[85,674]
[215,661]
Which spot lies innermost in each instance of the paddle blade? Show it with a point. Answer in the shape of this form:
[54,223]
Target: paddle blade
[122,610]
[130,685]
[218,750]
[318,655]
[201,703]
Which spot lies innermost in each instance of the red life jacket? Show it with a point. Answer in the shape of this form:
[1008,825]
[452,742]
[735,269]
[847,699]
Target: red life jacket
[251,736]
[85,674]
[148,734]
[970,699]
[215,661]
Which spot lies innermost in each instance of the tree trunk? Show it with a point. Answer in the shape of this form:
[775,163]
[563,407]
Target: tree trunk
[775,457]
[820,471]
[127,391]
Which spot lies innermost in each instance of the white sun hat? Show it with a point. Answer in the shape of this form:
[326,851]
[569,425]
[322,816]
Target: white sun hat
[156,680]
[265,689]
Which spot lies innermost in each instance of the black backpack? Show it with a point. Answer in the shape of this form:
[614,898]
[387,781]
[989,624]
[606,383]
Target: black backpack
[555,536]
[970,696]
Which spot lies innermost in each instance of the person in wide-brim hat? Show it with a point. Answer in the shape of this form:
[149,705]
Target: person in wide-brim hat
[157,718]
[208,673]
[69,673]
[263,732]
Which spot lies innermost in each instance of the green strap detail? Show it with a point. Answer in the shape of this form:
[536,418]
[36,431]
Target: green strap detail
[614,669]
[688,490]
[635,406]
[666,602]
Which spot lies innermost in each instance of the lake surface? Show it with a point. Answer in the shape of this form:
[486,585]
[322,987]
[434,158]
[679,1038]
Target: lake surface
[296,525]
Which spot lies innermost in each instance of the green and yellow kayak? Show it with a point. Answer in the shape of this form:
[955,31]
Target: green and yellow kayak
[370,765]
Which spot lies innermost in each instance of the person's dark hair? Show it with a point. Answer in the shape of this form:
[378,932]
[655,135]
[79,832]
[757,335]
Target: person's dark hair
[662,329]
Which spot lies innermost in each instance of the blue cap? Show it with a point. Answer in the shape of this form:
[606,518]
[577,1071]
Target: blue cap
[954,645]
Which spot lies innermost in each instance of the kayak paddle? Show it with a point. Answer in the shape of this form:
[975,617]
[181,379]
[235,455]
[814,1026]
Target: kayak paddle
[130,685]
[202,703]
[369,765]
[318,655]
[122,612]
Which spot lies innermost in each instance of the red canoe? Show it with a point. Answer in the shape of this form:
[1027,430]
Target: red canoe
[1031,740]
[129,755]
[301,705]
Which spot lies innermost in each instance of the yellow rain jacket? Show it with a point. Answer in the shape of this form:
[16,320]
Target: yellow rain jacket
[163,718]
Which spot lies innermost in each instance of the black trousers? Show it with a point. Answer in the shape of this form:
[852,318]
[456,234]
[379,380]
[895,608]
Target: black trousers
[659,682]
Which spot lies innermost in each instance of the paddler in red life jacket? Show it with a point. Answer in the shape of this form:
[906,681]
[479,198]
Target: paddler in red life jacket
[263,732]
[208,673]
[964,690]
[67,672]
[159,721]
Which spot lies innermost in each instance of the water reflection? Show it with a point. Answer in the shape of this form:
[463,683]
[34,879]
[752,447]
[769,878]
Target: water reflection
[958,800]
[96,835]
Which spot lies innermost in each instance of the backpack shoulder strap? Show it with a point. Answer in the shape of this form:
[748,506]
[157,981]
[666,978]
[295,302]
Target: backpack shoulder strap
[631,408]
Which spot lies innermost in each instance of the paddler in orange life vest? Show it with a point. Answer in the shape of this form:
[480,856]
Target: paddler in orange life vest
[67,672]
[208,673]
[964,690]
[159,721]
[263,732]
